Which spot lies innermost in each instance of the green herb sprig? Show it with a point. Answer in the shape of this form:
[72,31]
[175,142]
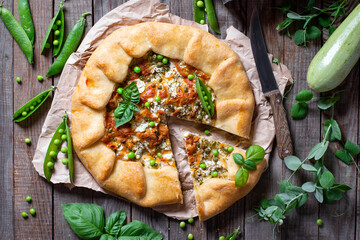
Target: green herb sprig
[310,20]
[125,110]
[88,222]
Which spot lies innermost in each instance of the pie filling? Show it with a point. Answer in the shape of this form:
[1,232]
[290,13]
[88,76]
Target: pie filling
[207,158]
[166,87]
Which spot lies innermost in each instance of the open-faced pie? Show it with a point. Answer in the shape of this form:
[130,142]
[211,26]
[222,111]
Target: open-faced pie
[135,78]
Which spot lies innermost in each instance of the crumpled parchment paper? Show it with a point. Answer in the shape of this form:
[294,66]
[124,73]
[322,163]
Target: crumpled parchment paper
[133,12]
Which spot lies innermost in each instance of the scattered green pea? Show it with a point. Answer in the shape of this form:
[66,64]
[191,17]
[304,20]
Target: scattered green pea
[58,22]
[159,57]
[152,162]
[50,164]
[230,149]
[63,137]
[157,98]
[159,155]
[214,174]
[120,90]
[206,97]
[32,211]
[147,104]
[56,42]
[40,78]
[207,132]
[137,69]
[190,236]
[54,27]
[18,79]
[24,113]
[131,155]
[64,149]
[61,131]
[65,161]
[28,140]
[52,154]
[190,76]
[202,165]
[165,61]
[182,224]
[215,152]
[202,21]
[57,142]
[200,4]
[319,222]
[28,199]
[190,220]
[57,33]
[222,238]
[24,214]
[151,124]
[32,108]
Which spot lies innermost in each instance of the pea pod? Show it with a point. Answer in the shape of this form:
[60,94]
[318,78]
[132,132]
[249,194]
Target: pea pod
[26,19]
[17,32]
[51,27]
[60,37]
[205,96]
[70,45]
[31,106]
[210,14]
[52,151]
[69,147]
[199,13]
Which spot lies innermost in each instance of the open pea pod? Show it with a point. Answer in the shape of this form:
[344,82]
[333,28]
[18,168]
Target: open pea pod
[59,36]
[46,43]
[31,106]
[52,151]
[70,155]
[205,96]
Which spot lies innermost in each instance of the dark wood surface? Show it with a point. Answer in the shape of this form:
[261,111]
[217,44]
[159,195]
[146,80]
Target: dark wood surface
[19,178]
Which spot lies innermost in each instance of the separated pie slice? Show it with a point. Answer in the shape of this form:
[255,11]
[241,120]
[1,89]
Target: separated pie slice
[213,171]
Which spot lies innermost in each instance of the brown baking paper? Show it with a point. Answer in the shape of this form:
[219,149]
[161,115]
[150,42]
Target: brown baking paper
[133,12]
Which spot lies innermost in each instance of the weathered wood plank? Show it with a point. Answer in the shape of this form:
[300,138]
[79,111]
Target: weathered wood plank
[357,208]
[6,130]
[26,180]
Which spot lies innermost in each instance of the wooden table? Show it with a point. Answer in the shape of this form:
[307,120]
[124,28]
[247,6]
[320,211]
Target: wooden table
[19,178]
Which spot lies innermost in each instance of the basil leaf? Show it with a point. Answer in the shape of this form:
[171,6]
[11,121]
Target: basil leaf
[319,195]
[327,102]
[133,107]
[309,168]
[139,229]
[123,113]
[308,187]
[131,93]
[352,147]
[250,165]
[344,156]
[114,223]
[313,32]
[292,162]
[299,37]
[86,220]
[238,159]
[241,177]
[327,179]
[107,237]
[205,96]
[304,95]
[255,153]
[299,110]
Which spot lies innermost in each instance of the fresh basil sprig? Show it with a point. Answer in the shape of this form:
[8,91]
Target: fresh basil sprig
[254,155]
[205,96]
[88,222]
[125,111]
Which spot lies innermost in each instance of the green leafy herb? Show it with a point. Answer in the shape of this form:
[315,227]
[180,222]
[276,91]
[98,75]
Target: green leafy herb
[310,20]
[334,132]
[241,177]
[327,102]
[304,96]
[347,155]
[114,223]
[233,235]
[299,110]
[139,229]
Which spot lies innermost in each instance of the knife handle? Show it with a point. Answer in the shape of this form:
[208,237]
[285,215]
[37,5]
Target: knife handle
[283,137]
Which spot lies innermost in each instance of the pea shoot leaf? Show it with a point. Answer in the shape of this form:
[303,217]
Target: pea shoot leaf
[308,187]
[352,147]
[318,150]
[331,30]
[313,32]
[292,162]
[309,168]
[327,179]
[341,187]
[299,37]
[304,96]
[324,20]
[344,156]
[319,195]
[334,132]
[299,110]
[332,195]
[327,102]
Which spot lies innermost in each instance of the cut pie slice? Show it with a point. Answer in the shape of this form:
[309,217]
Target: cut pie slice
[213,172]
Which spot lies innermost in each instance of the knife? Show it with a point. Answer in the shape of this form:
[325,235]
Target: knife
[270,87]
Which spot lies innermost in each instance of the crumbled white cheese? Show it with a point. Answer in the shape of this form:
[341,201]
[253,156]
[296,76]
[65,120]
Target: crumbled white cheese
[139,148]
[172,88]
[140,85]
[142,126]
[168,156]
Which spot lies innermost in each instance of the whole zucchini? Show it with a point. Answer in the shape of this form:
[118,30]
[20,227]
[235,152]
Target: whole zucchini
[337,57]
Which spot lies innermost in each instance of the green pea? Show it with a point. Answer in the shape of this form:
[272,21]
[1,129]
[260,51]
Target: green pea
[56,42]
[52,154]
[147,104]
[205,98]
[157,98]
[182,224]
[58,22]
[28,140]
[159,57]
[202,166]
[214,174]
[190,220]
[319,222]
[165,61]
[120,90]
[38,101]
[28,199]
[24,214]
[24,113]
[131,155]
[57,142]
[159,155]
[39,77]
[57,33]
[151,124]
[190,76]
[137,69]
[64,149]
[215,152]
[190,236]
[54,27]
[18,79]
[152,162]
[61,131]
[209,107]
[65,161]
[230,149]
[202,21]
[32,108]
[63,137]
[200,4]
[222,238]
[50,164]
[32,211]
[207,132]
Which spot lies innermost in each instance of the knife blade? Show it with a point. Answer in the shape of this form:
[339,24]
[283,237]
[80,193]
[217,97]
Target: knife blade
[270,87]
